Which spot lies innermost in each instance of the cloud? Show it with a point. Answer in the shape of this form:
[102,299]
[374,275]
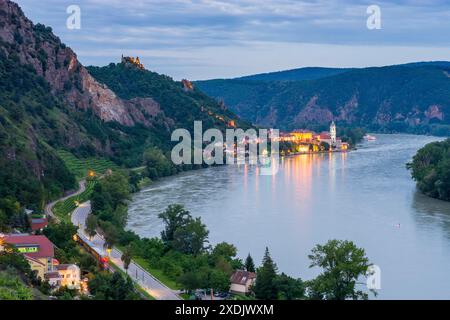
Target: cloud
[185,29]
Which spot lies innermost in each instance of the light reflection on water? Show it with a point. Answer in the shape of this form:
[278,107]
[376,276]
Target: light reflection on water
[360,196]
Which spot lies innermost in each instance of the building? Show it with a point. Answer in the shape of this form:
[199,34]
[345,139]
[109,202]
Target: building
[70,275]
[132,61]
[187,85]
[38,250]
[38,224]
[242,281]
[333,133]
[302,135]
[54,279]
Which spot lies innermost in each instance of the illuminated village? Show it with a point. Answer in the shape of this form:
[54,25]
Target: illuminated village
[305,141]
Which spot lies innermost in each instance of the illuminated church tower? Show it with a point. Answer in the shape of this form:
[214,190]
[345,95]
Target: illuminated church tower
[333,133]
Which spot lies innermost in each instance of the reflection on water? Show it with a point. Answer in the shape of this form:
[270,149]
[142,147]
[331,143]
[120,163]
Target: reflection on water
[366,196]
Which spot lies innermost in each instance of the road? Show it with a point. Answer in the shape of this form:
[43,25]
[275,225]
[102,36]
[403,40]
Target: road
[144,279]
[49,207]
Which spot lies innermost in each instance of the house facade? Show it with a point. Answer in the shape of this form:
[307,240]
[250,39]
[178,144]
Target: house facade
[242,281]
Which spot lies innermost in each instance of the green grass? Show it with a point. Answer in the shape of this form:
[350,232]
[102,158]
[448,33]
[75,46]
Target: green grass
[62,209]
[158,274]
[80,167]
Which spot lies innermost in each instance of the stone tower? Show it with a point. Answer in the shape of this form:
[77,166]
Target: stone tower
[333,133]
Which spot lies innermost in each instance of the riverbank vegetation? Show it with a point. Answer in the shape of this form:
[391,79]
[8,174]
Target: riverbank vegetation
[430,168]
[183,258]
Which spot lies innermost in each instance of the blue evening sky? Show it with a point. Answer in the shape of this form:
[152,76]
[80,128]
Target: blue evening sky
[202,39]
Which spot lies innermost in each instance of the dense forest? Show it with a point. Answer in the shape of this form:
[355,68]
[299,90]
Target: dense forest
[431,169]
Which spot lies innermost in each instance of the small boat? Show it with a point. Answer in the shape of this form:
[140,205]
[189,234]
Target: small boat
[368,137]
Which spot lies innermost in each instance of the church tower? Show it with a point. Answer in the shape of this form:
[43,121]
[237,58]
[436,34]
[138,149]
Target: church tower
[333,133]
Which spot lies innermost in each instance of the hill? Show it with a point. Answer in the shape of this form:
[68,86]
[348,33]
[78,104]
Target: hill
[50,102]
[308,73]
[404,98]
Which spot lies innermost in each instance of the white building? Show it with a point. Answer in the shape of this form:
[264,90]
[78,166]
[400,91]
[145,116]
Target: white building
[333,133]
[70,275]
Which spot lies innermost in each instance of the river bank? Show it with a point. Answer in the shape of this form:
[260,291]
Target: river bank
[361,195]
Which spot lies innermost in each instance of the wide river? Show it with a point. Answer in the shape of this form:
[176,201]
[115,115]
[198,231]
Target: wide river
[366,196]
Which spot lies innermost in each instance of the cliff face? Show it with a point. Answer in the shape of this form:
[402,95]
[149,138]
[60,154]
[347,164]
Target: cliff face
[37,46]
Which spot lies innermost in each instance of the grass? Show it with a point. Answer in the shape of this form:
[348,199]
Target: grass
[62,209]
[158,274]
[80,167]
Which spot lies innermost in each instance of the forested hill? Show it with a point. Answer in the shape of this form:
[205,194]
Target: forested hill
[404,98]
[181,102]
[49,102]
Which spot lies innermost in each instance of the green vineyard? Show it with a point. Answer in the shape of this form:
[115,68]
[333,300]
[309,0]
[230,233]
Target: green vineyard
[81,167]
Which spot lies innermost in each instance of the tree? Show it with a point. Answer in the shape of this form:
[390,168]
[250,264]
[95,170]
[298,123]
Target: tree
[106,286]
[225,250]
[191,238]
[290,288]
[249,264]
[219,281]
[126,258]
[157,164]
[265,286]
[192,280]
[91,226]
[342,263]
[174,217]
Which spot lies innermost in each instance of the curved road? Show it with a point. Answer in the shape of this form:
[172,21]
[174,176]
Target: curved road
[144,279]
[49,207]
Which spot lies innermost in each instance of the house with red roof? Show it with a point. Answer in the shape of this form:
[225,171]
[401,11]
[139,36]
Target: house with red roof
[37,249]
[242,281]
[38,224]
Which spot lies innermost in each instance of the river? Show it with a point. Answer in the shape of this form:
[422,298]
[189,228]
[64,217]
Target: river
[366,196]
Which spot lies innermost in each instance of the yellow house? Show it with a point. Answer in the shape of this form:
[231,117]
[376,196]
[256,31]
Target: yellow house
[38,251]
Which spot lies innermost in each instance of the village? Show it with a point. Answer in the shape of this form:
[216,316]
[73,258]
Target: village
[306,141]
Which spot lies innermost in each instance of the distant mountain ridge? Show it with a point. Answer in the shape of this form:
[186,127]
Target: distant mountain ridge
[413,97]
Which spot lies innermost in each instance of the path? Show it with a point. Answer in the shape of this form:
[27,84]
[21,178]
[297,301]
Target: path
[149,283]
[49,207]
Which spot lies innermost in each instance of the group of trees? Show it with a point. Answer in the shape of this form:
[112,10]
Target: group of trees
[430,167]
[342,264]
[12,215]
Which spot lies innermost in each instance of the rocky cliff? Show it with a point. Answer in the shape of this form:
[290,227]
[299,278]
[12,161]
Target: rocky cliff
[37,46]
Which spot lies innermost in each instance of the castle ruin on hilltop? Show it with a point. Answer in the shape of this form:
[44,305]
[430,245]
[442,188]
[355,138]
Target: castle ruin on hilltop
[132,61]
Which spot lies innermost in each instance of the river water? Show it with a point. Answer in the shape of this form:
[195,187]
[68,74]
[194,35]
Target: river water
[366,196]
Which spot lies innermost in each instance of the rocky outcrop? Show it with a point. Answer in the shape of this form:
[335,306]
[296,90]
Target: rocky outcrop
[37,46]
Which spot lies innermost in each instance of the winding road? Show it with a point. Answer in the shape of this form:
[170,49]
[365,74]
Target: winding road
[49,207]
[144,279]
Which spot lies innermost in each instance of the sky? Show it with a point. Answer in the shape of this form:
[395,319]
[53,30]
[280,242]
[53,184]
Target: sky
[205,39]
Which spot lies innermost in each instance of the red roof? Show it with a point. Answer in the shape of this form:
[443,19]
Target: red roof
[325,136]
[44,246]
[37,224]
[241,277]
